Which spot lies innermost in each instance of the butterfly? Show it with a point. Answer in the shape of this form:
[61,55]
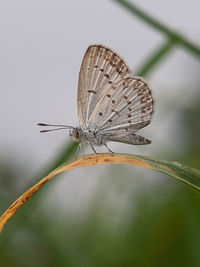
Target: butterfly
[112,104]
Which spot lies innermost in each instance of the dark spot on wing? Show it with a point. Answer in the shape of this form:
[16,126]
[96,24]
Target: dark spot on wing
[129,102]
[124,85]
[95,66]
[108,95]
[129,109]
[107,76]
[129,115]
[112,63]
[110,82]
[147,108]
[142,91]
[102,70]
[113,101]
[125,97]
[100,113]
[144,99]
[110,120]
[92,91]
[139,84]
[116,112]
[129,121]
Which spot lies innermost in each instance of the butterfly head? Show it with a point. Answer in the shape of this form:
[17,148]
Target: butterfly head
[75,134]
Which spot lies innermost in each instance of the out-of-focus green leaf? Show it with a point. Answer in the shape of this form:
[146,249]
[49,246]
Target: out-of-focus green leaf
[177,170]
[156,57]
[158,25]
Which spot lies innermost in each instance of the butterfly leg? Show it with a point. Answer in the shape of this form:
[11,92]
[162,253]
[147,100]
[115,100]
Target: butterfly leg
[110,151]
[95,153]
[80,148]
[77,151]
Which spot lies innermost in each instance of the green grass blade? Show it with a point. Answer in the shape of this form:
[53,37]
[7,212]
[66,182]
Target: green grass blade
[156,57]
[151,21]
[175,169]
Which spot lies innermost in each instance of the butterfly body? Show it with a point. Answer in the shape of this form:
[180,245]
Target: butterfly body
[98,138]
[89,136]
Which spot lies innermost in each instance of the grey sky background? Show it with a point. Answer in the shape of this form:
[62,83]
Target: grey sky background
[41,47]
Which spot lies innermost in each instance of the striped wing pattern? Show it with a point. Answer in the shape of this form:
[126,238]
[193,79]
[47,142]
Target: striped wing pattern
[100,68]
[125,107]
[110,100]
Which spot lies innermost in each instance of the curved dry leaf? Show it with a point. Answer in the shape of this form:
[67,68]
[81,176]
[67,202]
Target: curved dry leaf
[186,174]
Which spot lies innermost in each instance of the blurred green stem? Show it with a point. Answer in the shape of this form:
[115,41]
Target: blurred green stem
[67,153]
[156,57]
[181,40]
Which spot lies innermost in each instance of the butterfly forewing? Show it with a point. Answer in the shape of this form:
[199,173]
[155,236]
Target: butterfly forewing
[100,68]
[125,107]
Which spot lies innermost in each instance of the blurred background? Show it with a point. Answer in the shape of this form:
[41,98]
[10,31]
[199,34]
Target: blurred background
[102,215]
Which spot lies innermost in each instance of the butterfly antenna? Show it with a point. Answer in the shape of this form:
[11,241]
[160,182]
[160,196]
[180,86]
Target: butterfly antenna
[60,127]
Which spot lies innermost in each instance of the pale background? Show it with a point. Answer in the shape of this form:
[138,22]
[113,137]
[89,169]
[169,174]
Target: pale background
[41,47]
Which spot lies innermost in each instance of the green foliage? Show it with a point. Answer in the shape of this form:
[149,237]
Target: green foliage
[177,170]
[159,227]
[159,26]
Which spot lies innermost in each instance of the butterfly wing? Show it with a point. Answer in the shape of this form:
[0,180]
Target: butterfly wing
[125,107]
[131,138]
[100,68]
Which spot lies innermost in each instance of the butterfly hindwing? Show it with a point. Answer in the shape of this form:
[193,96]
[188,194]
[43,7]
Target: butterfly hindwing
[126,104]
[131,138]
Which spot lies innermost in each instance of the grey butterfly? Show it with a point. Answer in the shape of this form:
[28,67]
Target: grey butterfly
[112,104]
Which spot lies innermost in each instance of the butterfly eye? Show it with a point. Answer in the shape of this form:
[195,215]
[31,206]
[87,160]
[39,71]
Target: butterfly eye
[75,134]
